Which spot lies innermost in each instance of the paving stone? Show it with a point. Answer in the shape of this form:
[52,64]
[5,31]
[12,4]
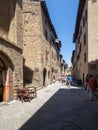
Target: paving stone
[57,107]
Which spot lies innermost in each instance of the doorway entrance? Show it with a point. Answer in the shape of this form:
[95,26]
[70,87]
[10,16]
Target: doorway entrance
[44,76]
[2,76]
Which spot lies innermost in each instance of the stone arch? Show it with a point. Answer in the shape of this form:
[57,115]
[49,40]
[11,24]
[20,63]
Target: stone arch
[2,65]
[6,60]
[6,64]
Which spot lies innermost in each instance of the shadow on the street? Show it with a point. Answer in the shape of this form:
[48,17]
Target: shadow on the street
[60,112]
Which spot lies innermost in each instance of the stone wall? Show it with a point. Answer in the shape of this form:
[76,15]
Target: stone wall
[93,37]
[13,60]
[11,42]
[39,51]
[87,48]
[11,21]
[32,42]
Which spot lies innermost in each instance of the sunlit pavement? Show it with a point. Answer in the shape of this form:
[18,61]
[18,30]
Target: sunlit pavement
[57,107]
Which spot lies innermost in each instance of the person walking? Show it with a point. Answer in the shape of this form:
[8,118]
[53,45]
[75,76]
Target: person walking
[92,88]
[69,80]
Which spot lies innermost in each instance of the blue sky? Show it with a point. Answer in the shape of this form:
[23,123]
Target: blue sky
[63,16]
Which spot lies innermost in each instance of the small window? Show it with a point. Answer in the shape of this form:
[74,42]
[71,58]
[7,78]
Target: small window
[45,21]
[26,21]
[80,47]
[83,21]
[85,14]
[46,35]
[24,44]
[85,18]
[52,39]
[84,38]
[84,57]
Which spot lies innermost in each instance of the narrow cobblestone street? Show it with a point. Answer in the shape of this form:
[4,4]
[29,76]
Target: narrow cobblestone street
[57,107]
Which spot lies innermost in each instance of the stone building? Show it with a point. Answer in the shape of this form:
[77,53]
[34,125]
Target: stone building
[29,46]
[85,55]
[11,43]
[41,47]
[64,67]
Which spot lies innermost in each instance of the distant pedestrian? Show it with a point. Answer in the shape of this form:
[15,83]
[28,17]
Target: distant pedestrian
[65,79]
[62,78]
[69,80]
[92,88]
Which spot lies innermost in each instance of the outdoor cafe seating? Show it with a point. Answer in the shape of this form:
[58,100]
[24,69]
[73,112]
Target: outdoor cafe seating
[26,93]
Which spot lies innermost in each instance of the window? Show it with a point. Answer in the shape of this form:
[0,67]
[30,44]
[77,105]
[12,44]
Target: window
[78,56]
[26,21]
[46,35]
[85,15]
[84,57]
[85,18]
[80,31]
[83,21]
[24,44]
[84,38]
[45,21]
[52,39]
[80,47]
[79,39]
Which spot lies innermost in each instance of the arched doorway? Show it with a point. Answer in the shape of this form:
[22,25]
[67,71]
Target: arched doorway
[2,78]
[44,76]
[6,70]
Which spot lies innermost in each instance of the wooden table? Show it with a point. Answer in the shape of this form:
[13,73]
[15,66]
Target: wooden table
[33,91]
[27,93]
[23,94]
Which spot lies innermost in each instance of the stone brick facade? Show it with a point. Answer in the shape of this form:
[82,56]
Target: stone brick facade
[11,45]
[85,56]
[29,46]
[40,50]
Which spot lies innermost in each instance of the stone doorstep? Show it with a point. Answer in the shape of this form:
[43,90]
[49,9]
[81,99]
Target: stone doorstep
[3,103]
[7,103]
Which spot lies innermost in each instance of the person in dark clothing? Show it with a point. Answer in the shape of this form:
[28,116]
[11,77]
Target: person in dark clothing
[92,87]
[87,80]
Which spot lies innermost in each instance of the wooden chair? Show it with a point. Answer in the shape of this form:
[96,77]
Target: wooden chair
[19,93]
[24,94]
[33,92]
